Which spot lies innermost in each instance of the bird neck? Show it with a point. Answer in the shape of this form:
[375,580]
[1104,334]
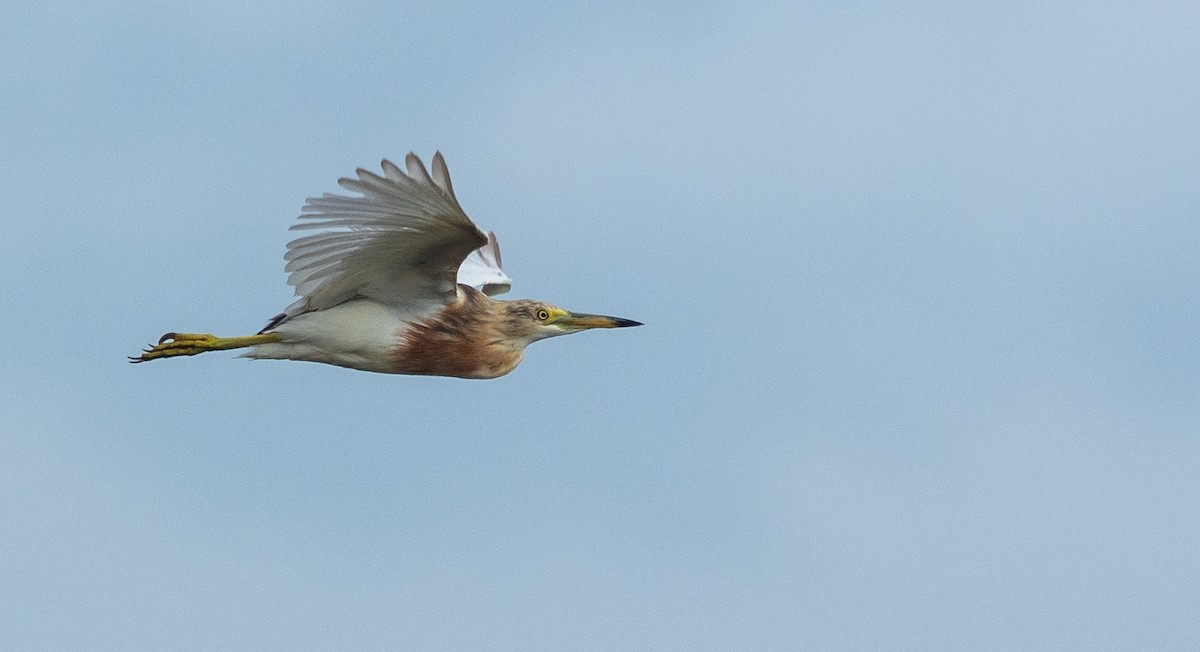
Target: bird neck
[463,339]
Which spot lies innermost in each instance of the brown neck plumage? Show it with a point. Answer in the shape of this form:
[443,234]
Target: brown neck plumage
[464,339]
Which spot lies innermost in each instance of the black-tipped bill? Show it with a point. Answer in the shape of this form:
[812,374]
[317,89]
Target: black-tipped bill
[581,320]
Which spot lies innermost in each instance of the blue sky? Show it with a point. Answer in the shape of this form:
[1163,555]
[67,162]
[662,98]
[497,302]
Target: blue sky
[919,368]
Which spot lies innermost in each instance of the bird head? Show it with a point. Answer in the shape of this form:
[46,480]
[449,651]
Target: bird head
[530,321]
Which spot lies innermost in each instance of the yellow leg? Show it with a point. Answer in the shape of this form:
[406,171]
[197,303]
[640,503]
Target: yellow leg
[177,344]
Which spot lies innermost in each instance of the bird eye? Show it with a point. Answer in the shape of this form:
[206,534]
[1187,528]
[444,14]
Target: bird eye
[543,314]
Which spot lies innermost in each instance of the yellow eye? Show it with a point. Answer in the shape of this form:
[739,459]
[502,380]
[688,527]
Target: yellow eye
[543,315]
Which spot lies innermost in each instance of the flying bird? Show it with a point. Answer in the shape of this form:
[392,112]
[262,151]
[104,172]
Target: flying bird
[396,279]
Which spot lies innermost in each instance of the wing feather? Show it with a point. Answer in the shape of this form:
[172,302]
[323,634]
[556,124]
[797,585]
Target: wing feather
[482,269]
[400,242]
[416,169]
[441,175]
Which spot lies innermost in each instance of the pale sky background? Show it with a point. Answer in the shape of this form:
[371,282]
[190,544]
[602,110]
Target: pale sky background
[921,288]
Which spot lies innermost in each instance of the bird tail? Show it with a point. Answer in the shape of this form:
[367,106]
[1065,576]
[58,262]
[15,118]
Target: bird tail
[173,345]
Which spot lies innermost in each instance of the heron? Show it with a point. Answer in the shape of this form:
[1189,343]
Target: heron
[396,279]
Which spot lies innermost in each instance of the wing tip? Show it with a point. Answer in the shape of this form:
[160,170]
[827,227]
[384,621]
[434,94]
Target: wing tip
[441,175]
[493,246]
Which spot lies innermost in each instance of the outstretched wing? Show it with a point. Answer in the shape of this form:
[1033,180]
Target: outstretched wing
[401,243]
[482,270]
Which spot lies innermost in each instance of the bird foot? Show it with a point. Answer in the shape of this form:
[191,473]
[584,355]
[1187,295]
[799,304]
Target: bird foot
[171,345]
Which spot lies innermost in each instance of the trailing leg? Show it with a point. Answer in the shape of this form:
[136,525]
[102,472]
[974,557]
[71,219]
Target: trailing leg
[173,345]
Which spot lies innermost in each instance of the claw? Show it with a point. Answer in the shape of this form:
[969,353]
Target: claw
[172,345]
